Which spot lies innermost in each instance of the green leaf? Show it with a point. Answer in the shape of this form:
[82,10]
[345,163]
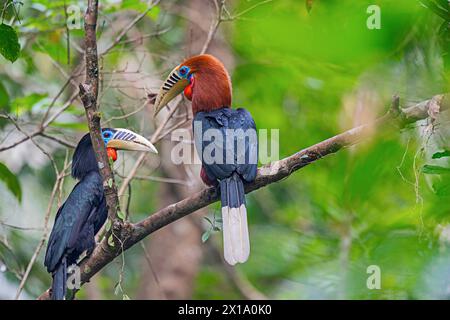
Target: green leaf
[76,111]
[430,169]
[442,190]
[11,181]
[108,225]
[111,241]
[77,126]
[441,12]
[438,155]
[23,104]
[134,5]
[111,163]
[154,13]
[121,215]
[9,44]
[205,236]
[52,44]
[9,258]
[4,98]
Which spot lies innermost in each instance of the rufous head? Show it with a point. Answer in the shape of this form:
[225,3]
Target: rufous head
[203,79]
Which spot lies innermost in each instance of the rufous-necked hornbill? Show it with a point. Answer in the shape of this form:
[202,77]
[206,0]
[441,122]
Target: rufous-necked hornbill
[206,82]
[84,212]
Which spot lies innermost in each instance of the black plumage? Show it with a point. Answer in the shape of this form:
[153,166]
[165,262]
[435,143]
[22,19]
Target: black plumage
[227,121]
[78,220]
[226,140]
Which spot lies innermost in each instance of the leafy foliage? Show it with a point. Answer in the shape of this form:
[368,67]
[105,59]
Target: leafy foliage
[11,181]
[9,46]
[4,98]
[442,154]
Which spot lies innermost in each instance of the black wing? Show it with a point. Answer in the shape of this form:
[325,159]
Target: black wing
[238,150]
[72,218]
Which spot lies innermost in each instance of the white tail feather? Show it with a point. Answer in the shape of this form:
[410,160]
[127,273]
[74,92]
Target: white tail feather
[236,241]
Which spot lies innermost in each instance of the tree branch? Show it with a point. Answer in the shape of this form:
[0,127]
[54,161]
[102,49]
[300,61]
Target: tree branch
[89,94]
[267,174]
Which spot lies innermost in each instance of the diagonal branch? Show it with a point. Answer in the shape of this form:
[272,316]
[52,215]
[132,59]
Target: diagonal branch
[268,174]
[283,168]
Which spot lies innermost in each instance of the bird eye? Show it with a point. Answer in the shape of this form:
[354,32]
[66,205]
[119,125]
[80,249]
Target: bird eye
[106,134]
[183,71]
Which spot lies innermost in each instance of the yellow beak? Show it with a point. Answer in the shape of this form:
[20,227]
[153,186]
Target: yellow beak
[171,87]
[124,139]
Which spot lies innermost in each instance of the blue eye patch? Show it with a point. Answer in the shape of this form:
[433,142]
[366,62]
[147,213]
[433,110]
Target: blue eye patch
[184,71]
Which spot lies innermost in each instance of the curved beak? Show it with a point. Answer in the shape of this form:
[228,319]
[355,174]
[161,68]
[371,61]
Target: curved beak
[171,87]
[125,139]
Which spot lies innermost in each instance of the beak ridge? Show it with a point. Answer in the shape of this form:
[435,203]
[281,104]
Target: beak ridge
[125,139]
[171,87]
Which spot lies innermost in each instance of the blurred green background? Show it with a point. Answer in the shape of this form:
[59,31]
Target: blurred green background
[311,69]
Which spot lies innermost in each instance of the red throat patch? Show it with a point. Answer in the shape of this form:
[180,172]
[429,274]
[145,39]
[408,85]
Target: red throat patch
[112,153]
[188,89]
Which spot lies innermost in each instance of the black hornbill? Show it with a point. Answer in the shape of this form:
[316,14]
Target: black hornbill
[84,212]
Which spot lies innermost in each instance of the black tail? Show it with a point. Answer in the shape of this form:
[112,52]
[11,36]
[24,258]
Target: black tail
[236,241]
[59,281]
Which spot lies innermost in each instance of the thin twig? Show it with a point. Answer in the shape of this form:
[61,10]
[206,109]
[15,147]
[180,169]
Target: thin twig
[60,141]
[125,116]
[39,247]
[152,270]
[141,158]
[42,127]
[146,36]
[214,25]
[164,180]
[7,225]
[45,152]
[129,26]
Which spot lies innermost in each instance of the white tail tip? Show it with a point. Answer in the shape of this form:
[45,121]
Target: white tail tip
[236,243]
